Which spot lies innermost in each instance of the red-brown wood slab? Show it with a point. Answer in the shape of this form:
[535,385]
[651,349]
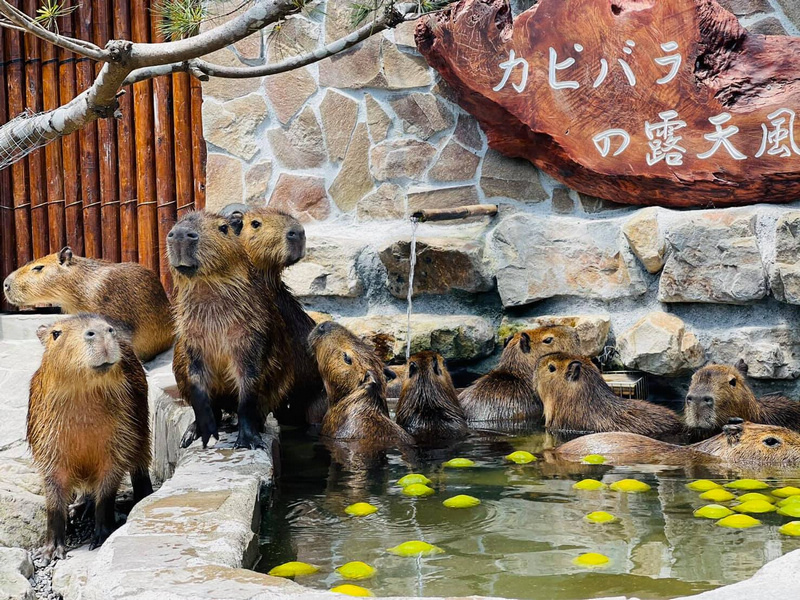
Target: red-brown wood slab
[594,97]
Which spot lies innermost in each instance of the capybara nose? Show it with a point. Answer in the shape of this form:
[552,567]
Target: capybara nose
[7,284]
[179,234]
[90,335]
[700,399]
[324,327]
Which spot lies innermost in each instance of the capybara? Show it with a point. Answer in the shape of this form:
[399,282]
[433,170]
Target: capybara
[740,444]
[130,296]
[428,407]
[275,240]
[508,394]
[577,399]
[719,392]
[87,422]
[230,346]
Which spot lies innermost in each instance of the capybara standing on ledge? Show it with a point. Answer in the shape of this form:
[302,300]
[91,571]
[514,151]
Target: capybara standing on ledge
[87,423]
[428,407]
[719,392]
[508,393]
[229,333]
[273,241]
[577,399]
[129,295]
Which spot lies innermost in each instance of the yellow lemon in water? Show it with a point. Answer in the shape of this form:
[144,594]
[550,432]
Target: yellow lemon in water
[415,548]
[747,484]
[754,506]
[293,569]
[459,463]
[417,489]
[756,496]
[792,509]
[594,459]
[361,509]
[717,495]
[356,570]
[738,522]
[591,559]
[791,528]
[521,457]
[407,480]
[600,516]
[590,484]
[703,485]
[786,492]
[352,590]
[712,511]
[632,486]
[461,501]
[789,500]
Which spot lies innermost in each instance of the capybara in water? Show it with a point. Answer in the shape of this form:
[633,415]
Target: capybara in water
[230,343]
[719,392]
[576,398]
[741,443]
[273,241]
[87,422]
[130,296]
[508,394]
[428,407]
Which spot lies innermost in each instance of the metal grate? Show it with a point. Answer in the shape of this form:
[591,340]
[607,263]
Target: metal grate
[19,137]
[627,384]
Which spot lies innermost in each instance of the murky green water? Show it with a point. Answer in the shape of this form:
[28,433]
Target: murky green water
[521,541]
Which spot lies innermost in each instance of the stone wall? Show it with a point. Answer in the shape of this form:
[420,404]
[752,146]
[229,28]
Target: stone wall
[354,144]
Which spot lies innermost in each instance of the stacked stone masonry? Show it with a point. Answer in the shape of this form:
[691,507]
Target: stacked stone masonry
[355,144]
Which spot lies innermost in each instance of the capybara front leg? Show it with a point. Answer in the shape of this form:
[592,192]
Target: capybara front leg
[205,425]
[57,505]
[104,521]
[142,486]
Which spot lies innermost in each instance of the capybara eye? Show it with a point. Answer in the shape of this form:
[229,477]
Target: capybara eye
[224,229]
[255,224]
[37,268]
[733,382]
[56,333]
[111,330]
[548,340]
[347,359]
[551,368]
[772,442]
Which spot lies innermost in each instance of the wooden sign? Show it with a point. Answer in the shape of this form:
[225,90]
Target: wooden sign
[656,102]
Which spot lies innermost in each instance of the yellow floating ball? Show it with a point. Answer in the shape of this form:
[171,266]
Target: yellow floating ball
[413,478]
[461,501]
[738,522]
[717,495]
[754,506]
[417,489]
[361,509]
[747,484]
[356,570]
[632,486]
[590,484]
[792,509]
[600,516]
[703,485]
[756,496]
[594,459]
[521,457]
[791,528]
[349,589]
[786,492]
[591,559]
[293,569]
[789,500]
[459,463]
[712,511]
[415,548]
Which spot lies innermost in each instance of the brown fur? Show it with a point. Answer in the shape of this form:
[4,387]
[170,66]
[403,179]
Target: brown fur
[230,342]
[719,392]
[428,407]
[576,398]
[87,422]
[130,295]
[508,393]
[273,241]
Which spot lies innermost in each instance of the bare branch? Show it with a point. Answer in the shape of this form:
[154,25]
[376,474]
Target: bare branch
[146,73]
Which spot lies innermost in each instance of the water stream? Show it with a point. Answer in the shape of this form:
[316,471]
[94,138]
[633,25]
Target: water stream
[412,263]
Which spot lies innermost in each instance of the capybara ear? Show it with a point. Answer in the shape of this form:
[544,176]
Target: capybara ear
[65,256]
[412,368]
[574,370]
[733,430]
[508,339]
[742,367]
[436,368]
[236,221]
[525,342]
[390,375]
[41,333]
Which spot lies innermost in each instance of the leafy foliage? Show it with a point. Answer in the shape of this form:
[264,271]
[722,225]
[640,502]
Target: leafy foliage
[49,13]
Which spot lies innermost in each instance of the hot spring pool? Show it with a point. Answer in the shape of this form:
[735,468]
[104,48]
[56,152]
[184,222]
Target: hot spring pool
[521,541]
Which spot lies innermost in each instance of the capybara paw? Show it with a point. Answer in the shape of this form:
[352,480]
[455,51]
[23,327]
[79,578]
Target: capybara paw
[49,552]
[206,425]
[189,436]
[249,439]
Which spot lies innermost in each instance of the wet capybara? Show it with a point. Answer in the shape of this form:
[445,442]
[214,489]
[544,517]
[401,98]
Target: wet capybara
[508,394]
[129,295]
[428,407]
[275,240]
[230,346]
[741,443]
[719,392]
[87,423]
[577,399]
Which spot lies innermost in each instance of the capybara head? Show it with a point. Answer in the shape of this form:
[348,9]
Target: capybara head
[344,361]
[568,380]
[718,393]
[742,442]
[427,378]
[524,349]
[42,281]
[273,239]
[207,245]
[82,344]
